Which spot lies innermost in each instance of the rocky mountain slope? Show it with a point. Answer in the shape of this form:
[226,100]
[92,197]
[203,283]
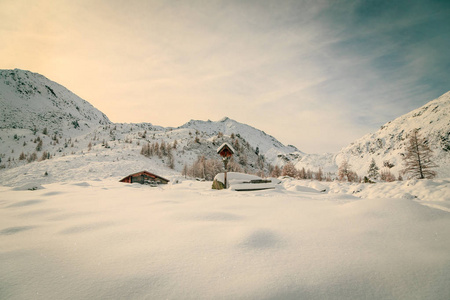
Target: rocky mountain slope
[388,143]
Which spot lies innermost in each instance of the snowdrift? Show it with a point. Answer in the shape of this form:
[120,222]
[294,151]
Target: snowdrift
[103,239]
[245,182]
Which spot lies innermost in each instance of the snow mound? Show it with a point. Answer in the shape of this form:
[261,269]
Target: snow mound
[105,240]
[245,182]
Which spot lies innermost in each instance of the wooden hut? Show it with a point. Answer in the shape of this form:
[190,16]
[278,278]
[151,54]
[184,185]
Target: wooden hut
[145,177]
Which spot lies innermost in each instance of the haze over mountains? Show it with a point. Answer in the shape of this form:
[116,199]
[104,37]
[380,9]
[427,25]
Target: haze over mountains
[73,131]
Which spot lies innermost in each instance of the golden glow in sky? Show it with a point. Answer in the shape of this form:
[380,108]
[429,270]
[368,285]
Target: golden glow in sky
[311,73]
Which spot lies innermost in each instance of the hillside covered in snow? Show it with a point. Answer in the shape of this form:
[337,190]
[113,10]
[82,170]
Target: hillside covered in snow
[388,144]
[266,144]
[45,128]
[29,100]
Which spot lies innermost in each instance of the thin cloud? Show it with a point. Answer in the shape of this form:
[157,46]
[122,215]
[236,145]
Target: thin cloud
[315,74]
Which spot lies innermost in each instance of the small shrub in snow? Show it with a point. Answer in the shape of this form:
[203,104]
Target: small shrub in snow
[386,175]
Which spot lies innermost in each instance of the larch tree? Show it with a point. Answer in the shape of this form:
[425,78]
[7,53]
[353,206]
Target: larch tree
[319,174]
[345,172]
[418,158]
[289,170]
[276,172]
[185,170]
[170,159]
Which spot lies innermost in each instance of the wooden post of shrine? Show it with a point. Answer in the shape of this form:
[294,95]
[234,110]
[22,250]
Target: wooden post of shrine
[226,151]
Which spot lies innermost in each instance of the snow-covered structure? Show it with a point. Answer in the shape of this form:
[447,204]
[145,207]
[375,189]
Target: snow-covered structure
[225,150]
[145,177]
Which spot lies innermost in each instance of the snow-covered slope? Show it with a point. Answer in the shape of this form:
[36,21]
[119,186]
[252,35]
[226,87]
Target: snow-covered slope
[267,145]
[41,119]
[29,100]
[388,143]
[45,128]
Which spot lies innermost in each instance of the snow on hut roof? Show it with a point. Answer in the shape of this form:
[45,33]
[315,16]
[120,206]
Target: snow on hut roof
[225,145]
[147,173]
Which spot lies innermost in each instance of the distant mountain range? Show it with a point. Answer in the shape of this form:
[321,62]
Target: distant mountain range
[33,106]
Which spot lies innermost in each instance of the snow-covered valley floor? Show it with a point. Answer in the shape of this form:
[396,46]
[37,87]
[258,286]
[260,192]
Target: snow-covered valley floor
[109,240]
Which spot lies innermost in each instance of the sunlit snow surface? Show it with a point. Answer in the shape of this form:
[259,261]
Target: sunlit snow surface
[302,240]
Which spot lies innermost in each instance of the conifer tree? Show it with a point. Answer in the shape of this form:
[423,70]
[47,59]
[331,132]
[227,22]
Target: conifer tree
[22,156]
[417,159]
[373,172]
[39,145]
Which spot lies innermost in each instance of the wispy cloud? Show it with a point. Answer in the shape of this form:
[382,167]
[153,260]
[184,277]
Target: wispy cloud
[316,74]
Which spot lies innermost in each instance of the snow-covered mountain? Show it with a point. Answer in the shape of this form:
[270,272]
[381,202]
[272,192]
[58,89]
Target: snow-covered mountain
[29,100]
[41,119]
[266,144]
[388,143]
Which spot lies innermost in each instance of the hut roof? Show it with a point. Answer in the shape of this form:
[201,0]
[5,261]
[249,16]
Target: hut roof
[225,145]
[146,173]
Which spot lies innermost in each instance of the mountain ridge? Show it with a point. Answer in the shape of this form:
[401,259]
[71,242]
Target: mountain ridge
[30,99]
[388,143]
[32,104]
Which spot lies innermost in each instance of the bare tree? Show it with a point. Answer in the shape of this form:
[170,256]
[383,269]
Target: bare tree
[417,159]
[289,170]
[345,172]
[276,172]
[171,159]
[386,175]
[185,170]
[319,174]
[302,173]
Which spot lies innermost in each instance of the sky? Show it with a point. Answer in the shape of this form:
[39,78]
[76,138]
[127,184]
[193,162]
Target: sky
[314,74]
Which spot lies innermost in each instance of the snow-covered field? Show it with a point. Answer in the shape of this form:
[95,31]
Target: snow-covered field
[302,240]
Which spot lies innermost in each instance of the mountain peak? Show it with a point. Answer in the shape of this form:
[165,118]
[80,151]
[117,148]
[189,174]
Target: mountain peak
[30,100]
